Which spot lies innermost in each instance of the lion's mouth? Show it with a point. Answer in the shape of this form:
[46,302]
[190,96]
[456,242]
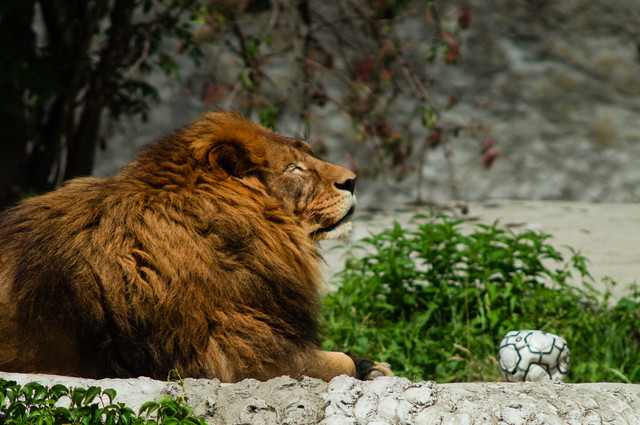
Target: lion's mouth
[337,224]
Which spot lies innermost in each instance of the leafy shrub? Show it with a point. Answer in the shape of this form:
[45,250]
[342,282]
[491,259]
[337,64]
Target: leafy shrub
[435,302]
[36,404]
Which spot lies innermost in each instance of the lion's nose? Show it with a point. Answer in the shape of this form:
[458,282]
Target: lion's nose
[349,184]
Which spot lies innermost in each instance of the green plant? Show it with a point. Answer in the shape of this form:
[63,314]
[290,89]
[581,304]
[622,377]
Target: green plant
[435,301]
[68,65]
[353,61]
[36,404]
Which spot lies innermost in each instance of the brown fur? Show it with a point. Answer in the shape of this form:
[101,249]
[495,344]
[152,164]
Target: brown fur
[199,255]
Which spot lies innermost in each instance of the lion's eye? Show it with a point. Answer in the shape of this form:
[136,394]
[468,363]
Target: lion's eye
[295,168]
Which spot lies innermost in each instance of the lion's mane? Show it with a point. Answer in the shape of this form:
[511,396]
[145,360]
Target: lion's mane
[167,264]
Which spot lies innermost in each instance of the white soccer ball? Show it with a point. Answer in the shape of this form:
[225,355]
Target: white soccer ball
[533,356]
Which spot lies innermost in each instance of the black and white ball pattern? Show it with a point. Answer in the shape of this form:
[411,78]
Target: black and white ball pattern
[530,355]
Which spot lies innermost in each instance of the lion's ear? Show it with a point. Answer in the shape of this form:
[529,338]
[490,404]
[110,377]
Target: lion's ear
[234,159]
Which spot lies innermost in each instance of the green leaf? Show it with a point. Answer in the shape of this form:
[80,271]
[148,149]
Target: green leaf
[148,407]
[111,393]
[91,394]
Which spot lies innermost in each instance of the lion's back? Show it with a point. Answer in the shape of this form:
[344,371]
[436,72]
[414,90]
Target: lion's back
[84,263]
[41,255]
[105,278]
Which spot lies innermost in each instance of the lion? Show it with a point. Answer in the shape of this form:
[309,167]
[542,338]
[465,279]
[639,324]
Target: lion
[200,256]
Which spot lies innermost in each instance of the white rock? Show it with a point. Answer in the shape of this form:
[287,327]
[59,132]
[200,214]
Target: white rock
[457,419]
[366,407]
[338,420]
[381,386]
[342,383]
[338,408]
[422,396]
[405,411]
[388,406]
[429,416]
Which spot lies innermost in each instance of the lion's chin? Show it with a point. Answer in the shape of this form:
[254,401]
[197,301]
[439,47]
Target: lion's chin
[340,230]
[341,233]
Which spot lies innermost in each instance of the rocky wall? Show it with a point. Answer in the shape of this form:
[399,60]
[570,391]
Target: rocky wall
[557,84]
[345,400]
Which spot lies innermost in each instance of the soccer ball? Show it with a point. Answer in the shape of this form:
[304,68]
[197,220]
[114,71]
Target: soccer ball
[533,356]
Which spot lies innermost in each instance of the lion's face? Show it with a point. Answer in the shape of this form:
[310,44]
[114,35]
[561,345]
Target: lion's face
[321,194]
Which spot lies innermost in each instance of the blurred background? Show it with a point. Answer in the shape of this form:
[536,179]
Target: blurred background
[429,101]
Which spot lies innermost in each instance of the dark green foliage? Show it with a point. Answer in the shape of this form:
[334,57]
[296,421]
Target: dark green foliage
[39,405]
[435,301]
[67,65]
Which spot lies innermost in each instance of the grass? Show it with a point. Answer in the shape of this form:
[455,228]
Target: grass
[435,300]
[35,404]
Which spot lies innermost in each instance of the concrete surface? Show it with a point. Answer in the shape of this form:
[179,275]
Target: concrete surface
[385,400]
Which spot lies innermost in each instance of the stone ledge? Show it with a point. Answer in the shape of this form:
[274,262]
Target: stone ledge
[345,400]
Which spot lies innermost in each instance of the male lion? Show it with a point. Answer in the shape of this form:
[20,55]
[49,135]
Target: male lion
[199,255]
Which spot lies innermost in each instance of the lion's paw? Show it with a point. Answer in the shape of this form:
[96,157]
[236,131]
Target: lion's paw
[368,370]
